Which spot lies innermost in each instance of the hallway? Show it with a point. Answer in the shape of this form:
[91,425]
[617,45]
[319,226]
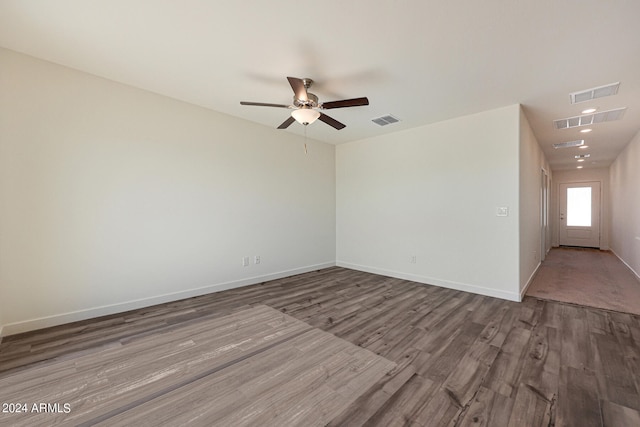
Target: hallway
[587,277]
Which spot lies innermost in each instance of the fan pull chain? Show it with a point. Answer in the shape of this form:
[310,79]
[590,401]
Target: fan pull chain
[305,139]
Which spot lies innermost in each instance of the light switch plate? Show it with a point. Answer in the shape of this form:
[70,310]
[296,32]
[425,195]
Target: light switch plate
[502,211]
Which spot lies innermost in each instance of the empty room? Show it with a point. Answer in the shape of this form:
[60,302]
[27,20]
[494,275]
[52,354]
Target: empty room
[294,213]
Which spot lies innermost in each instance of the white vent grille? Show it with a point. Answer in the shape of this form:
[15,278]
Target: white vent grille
[590,119]
[385,120]
[582,156]
[596,92]
[568,144]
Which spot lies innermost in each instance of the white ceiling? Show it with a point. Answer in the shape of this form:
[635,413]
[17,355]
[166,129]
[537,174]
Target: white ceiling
[422,61]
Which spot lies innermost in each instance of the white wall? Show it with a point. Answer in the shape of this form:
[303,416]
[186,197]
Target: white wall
[532,162]
[625,205]
[432,192]
[583,175]
[113,198]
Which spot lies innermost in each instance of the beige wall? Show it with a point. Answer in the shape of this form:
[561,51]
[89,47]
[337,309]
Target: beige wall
[113,198]
[432,193]
[532,163]
[625,205]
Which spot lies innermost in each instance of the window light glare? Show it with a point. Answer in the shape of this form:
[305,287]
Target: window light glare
[589,110]
[586,130]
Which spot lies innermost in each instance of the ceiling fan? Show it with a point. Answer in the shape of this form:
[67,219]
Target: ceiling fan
[306,108]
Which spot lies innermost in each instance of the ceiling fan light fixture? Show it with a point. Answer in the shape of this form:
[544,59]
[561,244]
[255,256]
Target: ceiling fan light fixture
[305,116]
[306,105]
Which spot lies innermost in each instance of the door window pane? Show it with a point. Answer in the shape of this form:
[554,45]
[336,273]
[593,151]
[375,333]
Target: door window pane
[579,207]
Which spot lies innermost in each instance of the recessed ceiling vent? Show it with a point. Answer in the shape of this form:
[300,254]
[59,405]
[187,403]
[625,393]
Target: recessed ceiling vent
[590,119]
[596,92]
[582,156]
[385,120]
[568,144]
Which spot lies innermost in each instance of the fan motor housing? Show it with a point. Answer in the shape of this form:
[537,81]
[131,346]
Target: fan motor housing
[311,102]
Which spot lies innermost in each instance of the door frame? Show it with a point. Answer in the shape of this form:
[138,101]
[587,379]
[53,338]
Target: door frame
[545,187]
[557,208]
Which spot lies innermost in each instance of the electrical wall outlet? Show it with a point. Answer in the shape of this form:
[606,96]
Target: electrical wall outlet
[256,259]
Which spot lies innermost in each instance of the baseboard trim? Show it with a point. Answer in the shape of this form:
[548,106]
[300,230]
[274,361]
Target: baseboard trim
[74,316]
[625,263]
[474,289]
[524,290]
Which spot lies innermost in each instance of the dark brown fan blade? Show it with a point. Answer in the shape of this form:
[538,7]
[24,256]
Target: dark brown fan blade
[286,123]
[355,102]
[298,88]
[331,121]
[263,104]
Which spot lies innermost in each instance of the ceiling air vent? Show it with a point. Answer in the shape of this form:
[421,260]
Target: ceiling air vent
[568,144]
[590,119]
[596,92]
[385,120]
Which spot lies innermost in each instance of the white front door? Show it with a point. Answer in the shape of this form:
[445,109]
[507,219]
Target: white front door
[580,214]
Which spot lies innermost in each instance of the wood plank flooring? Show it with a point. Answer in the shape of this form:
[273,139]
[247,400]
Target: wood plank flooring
[460,359]
[256,366]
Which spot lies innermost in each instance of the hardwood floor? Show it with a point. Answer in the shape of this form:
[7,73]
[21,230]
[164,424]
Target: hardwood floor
[461,359]
[256,366]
